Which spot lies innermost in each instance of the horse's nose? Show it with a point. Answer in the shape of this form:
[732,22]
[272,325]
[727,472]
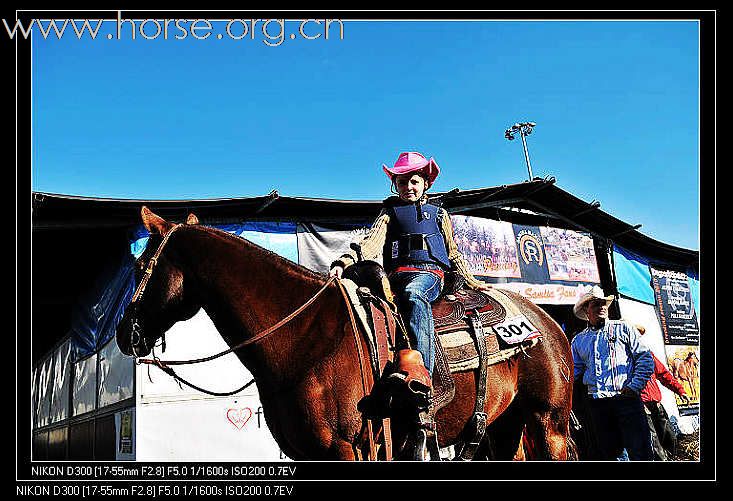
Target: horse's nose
[124,336]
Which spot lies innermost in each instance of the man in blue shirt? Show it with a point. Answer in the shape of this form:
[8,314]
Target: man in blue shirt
[615,367]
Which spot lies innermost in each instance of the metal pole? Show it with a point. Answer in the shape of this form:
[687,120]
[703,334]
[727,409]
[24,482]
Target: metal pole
[526,153]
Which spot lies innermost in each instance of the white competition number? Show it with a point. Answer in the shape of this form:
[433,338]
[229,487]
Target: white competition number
[515,330]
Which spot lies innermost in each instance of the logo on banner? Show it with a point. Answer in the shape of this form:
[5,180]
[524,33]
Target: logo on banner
[530,248]
[239,417]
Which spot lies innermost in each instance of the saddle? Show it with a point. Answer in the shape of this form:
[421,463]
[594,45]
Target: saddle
[464,340]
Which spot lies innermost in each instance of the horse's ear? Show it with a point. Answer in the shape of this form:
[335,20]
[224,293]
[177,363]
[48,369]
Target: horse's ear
[192,219]
[153,222]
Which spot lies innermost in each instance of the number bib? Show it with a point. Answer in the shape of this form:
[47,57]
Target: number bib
[516,329]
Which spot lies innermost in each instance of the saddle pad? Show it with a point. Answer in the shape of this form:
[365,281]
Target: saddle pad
[460,348]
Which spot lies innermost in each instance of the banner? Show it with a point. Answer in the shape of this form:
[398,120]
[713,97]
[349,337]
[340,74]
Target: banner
[546,265]
[320,245]
[674,307]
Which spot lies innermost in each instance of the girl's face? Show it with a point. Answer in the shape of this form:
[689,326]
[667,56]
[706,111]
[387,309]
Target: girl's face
[410,187]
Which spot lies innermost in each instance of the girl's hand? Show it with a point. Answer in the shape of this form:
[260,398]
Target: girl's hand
[336,271]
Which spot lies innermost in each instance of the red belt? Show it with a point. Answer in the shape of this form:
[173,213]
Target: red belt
[440,273]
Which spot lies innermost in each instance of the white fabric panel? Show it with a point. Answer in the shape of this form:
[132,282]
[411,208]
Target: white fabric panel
[115,374]
[45,385]
[194,338]
[85,385]
[61,377]
[181,424]
[204,428]
[636,312]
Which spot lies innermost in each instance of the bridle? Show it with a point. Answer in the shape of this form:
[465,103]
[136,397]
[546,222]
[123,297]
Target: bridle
[136,329]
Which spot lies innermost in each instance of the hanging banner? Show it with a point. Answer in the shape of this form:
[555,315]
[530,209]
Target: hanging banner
[674,307]
[545,265]
[320,245]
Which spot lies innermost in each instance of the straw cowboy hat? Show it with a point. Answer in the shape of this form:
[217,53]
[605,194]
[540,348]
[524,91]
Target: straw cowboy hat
[595,293]
[412,161]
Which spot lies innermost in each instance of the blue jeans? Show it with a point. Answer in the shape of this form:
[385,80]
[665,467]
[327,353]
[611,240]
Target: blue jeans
[621,423]
[415,290]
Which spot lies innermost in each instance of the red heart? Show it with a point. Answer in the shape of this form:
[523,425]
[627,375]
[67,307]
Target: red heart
[239,417]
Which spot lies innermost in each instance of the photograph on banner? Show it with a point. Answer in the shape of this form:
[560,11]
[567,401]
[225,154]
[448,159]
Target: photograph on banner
[570,255]
[684,364]
[674,306]
[488,246]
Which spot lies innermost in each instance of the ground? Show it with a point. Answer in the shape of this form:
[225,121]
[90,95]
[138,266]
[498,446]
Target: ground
[688,447]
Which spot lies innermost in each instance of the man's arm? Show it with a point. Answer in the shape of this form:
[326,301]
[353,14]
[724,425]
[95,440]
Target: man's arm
[666,378]
[643,361]
[578,362]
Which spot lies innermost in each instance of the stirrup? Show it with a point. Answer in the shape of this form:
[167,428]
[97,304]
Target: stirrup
[426,438]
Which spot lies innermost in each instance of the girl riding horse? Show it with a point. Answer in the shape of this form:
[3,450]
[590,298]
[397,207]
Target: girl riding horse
[414,237]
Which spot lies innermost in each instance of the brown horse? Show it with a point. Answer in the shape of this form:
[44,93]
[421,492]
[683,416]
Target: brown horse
[308,372]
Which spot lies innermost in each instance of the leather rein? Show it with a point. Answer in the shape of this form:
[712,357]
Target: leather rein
[164,364]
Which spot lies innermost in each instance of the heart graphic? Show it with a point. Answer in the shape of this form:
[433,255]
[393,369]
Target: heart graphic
[239,417]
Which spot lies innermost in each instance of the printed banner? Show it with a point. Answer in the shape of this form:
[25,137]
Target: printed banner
[546,265]
[674,307]
[684,364]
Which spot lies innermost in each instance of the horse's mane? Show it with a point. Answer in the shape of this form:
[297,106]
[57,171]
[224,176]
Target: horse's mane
[243,243]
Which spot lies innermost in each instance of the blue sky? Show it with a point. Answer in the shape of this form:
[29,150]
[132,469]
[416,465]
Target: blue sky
[616,107]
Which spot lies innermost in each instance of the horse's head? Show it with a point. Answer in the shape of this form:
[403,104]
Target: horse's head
[162,297]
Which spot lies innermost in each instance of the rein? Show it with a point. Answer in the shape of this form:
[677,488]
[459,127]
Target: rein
[258,337]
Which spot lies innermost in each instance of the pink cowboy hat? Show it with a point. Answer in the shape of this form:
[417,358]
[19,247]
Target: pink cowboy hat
[412,161]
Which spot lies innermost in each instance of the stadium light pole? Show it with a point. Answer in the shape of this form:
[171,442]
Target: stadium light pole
[524,129]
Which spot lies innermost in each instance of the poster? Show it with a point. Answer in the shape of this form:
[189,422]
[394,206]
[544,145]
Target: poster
[684,364]
[674,306]
[125,431]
